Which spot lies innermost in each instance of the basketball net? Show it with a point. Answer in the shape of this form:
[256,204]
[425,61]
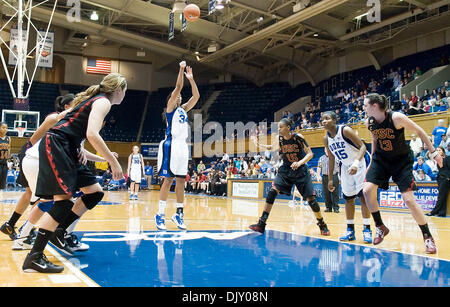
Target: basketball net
[21,131]
[22,12]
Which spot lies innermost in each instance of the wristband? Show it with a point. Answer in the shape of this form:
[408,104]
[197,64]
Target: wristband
[433,154]
[355,163]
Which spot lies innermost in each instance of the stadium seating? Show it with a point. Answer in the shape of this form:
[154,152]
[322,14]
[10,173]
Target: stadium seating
[236,102]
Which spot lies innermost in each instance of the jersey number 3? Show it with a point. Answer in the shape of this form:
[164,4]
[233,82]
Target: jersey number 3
[386,145]
[183,119]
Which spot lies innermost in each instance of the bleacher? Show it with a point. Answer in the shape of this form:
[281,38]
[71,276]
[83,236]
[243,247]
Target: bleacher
[246,102]
[127,115]
[326,89]
[236,102]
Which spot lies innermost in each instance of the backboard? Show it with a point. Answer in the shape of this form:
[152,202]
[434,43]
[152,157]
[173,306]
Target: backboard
[21,123]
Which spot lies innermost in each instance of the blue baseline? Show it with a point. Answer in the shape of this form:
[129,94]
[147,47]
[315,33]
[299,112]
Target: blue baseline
[274,259]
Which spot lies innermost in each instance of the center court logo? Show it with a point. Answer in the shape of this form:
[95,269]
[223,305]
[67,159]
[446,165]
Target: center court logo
[161,236]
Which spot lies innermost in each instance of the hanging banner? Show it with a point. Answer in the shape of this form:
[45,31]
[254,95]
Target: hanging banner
[13,45]
[45,48]
[211,6]
[150,150]
[171,26]
[183,22]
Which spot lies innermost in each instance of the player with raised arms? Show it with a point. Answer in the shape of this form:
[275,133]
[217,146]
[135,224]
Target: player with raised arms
[173,154]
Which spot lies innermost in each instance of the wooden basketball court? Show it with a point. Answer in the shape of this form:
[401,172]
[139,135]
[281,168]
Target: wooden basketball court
[203,213]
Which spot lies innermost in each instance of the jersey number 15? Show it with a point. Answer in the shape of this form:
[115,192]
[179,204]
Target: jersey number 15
[341,154]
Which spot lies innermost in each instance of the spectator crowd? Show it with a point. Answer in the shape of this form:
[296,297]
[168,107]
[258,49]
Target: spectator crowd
[348,103]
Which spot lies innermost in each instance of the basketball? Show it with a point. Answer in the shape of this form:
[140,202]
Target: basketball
[192,12]
[230,138]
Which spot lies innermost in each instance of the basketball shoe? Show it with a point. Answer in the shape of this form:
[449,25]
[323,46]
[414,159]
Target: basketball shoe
[348,236]
[367,235]
[38,262]
[73,242]
[9,231]
[160,221]
[25,243]
[58,240]
[177,218]
[381,232]
[324,231]
[259,227]
[430,246]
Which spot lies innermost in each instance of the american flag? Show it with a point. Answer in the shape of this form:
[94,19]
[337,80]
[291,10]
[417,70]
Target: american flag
[102,67]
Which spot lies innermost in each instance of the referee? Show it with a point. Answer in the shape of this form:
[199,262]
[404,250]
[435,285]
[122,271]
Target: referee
[331,199]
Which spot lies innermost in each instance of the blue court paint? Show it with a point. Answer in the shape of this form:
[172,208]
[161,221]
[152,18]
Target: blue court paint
[9,201]
[109,203]
[247,259]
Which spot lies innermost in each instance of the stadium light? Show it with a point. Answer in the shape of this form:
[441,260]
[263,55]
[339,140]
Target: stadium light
[94,16]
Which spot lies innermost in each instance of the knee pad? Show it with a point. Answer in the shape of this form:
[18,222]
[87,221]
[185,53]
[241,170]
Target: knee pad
[45,206]
[91,200]
[314,205]
[270,199]
[60,210]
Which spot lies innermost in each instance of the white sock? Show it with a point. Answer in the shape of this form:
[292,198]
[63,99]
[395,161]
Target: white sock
[366,221]
[351,222]
[26,229]
[162,207]
[72,226]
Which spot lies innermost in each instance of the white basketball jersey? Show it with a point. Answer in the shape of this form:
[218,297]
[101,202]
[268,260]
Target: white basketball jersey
[177,124]
[136,161]
[342,148]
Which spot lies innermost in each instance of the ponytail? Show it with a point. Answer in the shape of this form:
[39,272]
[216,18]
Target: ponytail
[108,85]
[89,93]
[62,101]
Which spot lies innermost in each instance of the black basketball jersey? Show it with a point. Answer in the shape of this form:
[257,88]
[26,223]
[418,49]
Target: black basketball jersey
[74,124]
[292,150]
[4,148]
[390,142]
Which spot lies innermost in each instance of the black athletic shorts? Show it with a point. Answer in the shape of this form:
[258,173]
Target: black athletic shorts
[400,168]
[59,170]
[301,178]
[3,175]
[85,177]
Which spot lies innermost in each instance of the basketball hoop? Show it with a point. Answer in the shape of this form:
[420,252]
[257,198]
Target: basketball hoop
[21,131]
